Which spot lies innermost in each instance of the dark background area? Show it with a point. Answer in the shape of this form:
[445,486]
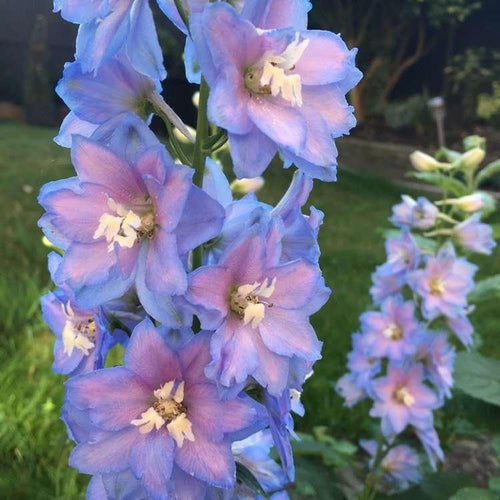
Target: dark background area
[23,41]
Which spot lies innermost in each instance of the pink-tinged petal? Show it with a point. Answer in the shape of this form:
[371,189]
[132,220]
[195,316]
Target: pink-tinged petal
[272,369]
[251,153]
[165,272]
[245,258]
[152,163]
[210,287]
[72,125]
[169,198]
[86,264]
[325,60]
[319,148]
[194,357]
[148,356]
[281,123]
[227,105]
[113,397]
[398,416]
[127,259]
[233,353]
[63,363]
[231,39]
[98,165]
[201,220]
[110,454]
[76,214]
[295,283]
[288,332]
[207,461]
[214,417]
[187,486]
[152,460]
[276,14]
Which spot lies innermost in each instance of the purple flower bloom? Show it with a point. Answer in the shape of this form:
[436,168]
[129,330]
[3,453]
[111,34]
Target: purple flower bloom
[430,441]
[361,361]
[438,357]
[94,99]
[347,387]
[444,284]
[390,331]
[403,399]
[282,427]
[121,224]
[400,464]
[462,328]
[159,414]
[107,28]
[260,310]
[300,232]
[254,453]
[474,235]
[279,89]
[82,341]
[403,254]
[385,284]
[419,214]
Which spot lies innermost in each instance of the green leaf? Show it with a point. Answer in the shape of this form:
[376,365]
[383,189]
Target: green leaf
[494,484]
[489,171]
[495,444]
[488,289]
[438,486]
[243,475]
[479,377]
[446,183]
[496,231]
[473,494]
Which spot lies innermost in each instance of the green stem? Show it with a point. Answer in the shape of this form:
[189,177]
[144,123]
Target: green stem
[200,155]
[372,477]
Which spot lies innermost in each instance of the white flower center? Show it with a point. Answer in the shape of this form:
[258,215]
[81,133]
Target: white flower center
[437,285]
[403,396]
[393,331]
[247,301]
[77,333]
[272,73]
[167,410]
[124,226]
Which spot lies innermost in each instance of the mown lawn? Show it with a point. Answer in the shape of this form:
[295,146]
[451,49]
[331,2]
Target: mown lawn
[33,444]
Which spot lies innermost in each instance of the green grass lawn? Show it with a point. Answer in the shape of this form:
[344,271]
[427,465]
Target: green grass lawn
[33,444]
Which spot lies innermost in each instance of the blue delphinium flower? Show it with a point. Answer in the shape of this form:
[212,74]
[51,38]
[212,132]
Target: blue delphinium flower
[437,357]
[300,231]
[259,310]
[399,465]
[444,283]
[269,90]
[120,225]
[110,27]
[402,399]
[157,412]
[419,214]
[474,235]
[389,332]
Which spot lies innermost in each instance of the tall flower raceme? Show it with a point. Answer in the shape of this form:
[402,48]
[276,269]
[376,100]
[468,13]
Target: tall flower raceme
[402,358]
[209,293]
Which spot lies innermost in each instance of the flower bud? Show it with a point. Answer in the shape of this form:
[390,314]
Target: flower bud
[425,163]
[473,158]
[469,203]
[181,137]
[196,99]
[245,186]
